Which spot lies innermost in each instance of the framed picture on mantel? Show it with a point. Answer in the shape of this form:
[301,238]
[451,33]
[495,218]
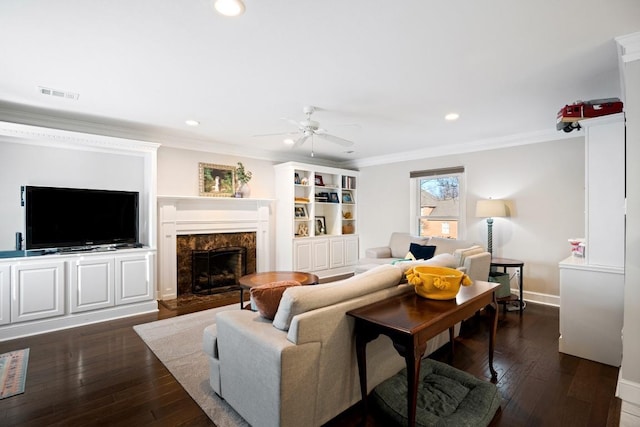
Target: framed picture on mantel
[216,180]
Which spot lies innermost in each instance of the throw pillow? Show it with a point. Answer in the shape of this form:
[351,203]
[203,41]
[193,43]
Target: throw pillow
[422,251]
[267,297]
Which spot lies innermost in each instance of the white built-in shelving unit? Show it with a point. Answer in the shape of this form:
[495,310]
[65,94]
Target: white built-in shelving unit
[316,219]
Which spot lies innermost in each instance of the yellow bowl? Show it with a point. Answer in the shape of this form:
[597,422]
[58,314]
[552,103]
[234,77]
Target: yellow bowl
[437,282]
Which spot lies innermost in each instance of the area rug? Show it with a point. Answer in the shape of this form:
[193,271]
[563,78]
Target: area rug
[177,342]
[13,372]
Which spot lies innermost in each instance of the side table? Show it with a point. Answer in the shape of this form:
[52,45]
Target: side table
[250,280]
[510,263]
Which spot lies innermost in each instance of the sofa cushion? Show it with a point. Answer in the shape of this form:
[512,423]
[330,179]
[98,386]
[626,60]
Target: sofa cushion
[444,245]
[301,299]
[442,260]
[462,254]
[399,243]
[267,297]
[421,251]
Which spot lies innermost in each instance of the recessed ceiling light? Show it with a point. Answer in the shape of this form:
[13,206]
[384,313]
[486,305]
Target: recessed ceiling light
[289,141]
[192,122]
[229,7]
[452,116]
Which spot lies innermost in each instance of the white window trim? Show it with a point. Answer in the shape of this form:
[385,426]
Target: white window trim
[414,207]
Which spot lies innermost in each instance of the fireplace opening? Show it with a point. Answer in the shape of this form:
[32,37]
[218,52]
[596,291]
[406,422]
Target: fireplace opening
[217,270]
[201,275]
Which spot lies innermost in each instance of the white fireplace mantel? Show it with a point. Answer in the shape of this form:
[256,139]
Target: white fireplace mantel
[183,215]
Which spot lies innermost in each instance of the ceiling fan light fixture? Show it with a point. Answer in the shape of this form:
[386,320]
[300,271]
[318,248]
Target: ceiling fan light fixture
[229,7]
[452,117]
[192,122]
[289,141]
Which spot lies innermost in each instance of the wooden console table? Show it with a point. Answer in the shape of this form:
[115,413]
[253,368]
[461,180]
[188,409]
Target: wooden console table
[410,321]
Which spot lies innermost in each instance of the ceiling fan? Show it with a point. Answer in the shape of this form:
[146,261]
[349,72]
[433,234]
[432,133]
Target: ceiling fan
[309,128]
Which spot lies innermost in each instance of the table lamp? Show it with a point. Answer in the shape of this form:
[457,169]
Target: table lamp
[490,208]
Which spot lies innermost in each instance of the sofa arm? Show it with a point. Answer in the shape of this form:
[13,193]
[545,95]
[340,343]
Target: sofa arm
[477,266]
[379,252]
[261,371]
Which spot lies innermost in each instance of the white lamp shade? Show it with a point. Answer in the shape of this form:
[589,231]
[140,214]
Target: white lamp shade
[491,208]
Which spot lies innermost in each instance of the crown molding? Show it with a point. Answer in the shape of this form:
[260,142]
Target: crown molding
[629,47]
[36,135]
[466,147]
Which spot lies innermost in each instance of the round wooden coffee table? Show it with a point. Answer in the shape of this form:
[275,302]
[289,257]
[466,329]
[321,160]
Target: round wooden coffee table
[250,280]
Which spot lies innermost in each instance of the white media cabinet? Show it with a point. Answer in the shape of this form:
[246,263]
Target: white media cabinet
[57,291]
[50,292]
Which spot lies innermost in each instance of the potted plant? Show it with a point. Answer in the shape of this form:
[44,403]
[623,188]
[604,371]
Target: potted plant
[242,179]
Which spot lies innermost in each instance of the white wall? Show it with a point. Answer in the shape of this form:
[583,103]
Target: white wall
[178,172]
[545,182]
[629,381]
[27,164]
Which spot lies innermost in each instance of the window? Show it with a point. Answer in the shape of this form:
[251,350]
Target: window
[438,201]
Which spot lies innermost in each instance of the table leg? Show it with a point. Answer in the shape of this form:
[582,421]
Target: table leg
[361,356]
[493,312]
[520,283]
[241,298]
[413,359]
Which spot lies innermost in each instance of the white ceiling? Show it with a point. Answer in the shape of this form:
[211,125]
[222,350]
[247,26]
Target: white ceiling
[382,73]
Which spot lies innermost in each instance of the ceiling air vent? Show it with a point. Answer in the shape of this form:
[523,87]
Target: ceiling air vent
[58,93]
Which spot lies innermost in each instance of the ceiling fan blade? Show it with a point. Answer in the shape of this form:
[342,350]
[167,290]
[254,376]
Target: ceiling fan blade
[335,139]
[301,140]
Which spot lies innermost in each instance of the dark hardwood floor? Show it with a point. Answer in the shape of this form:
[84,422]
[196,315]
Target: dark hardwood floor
[104,374]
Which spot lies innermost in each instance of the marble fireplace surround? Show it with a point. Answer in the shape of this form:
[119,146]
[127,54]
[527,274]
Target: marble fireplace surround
[184,215]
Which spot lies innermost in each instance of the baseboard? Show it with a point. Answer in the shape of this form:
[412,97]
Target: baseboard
[629,391]
[19,330]
[539,298]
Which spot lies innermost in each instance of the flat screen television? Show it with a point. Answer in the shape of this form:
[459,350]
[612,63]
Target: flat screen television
[64,218]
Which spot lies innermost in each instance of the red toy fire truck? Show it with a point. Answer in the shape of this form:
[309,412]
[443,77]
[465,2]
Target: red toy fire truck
[570,115]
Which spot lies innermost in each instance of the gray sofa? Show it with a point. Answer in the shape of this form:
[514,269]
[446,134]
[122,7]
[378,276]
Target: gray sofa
[467,256]
[300,369]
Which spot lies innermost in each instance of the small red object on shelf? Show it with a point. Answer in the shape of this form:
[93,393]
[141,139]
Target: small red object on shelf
[569,115]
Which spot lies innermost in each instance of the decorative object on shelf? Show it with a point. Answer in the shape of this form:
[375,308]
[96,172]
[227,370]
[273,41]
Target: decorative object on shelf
[322,197]
[216,180]
[577,247]
[490,209]
[301,199]
[347,215]
[321,226]
[333,198]
[300,212]
[349,182]
[296,178]
[303,230]
[347,228]
[304,181]
[347,197]
[319,181]
[242,181]
[439,283]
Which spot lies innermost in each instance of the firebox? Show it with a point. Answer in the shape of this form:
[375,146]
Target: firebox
[217,270]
